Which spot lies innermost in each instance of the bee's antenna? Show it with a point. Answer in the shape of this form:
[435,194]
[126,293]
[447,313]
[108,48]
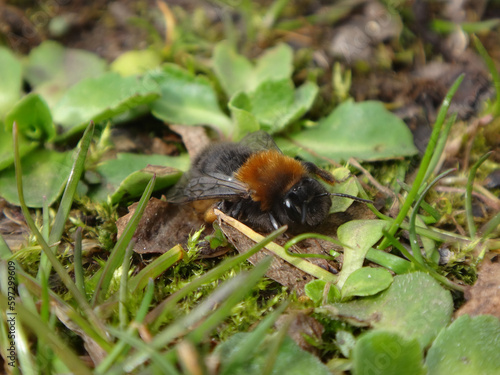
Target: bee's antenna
[347,196]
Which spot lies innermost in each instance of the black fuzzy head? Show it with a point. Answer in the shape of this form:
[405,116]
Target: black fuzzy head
[306,204]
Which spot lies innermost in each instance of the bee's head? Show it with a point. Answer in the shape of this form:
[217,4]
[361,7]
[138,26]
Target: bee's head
[306,203]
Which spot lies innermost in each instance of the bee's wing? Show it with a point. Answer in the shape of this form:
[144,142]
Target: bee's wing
[259,141]
[195,186]
[213,186]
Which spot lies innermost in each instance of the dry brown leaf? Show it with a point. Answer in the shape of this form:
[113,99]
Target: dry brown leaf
[13,228]
[484,296]
[162,226]
[96,353]
[302,326]
[194,137]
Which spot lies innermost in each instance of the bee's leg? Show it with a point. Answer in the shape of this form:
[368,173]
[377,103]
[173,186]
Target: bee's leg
[229,208]
[236,209]
[222,206]
[273,221]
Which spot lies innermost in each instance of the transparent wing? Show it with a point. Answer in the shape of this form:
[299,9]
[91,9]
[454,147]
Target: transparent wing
[213,186]
[259,141]
[195,185]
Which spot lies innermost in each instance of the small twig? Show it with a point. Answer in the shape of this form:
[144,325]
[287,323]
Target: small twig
[388,192]
[309,268]
[460,228]
[170,22]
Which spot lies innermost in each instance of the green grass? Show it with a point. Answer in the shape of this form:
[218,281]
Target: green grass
[175,313]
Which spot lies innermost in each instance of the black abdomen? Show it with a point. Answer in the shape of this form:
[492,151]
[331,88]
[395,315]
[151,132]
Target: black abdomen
[224,158]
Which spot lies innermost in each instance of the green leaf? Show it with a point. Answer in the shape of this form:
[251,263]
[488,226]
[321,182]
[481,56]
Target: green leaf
[125,177]
[33,118]
[276,63]
[315,290]
[247,123]
[231,68]
[11,80]
[136,62]
[236,73]
[347,185]
[387,353]
[470,345]
[403,308]
[366,281]
[364,130]
[44,175]
[271,100]
[290,358]
[187,99]
[52,69]
[101,98]
[358,236]
[346,341]
[275,104]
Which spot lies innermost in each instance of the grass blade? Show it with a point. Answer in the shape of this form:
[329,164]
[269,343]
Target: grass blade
[5,252]
[45,220]
[122,345]
[252,342]
[123,292]
[413,234]
[162,363]
[44,353]
[58,267]
[422,266]
[226,296]
[155,268]
[59,304]
[79,279]
[493,71]
[424,164]
[68,195]
[274,348]
[440,146]
[117,254]
[468,194]
[167,305]
[49,336]
[69,191]
[490,226]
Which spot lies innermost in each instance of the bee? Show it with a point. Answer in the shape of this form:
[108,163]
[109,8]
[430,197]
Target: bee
[258,185]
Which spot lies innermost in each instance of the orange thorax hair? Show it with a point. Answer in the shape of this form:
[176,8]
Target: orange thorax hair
[269,175]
